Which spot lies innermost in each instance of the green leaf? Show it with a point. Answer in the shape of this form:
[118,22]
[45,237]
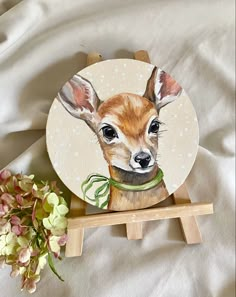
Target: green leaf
[51,265]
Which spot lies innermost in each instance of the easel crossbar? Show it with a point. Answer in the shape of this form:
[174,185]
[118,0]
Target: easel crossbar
[144,215]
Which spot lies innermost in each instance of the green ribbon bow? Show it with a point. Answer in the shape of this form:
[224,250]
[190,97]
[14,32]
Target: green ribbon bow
[103,190]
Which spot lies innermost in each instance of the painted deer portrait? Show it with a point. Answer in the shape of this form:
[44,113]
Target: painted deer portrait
[127,127]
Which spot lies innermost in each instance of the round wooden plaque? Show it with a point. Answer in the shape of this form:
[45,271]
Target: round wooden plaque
[122,134]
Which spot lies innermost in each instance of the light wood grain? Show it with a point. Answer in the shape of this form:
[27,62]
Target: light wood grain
[142,55]
[134,231]
[141,215]
[189,226]
[77,206]
[74,245]
[93,58]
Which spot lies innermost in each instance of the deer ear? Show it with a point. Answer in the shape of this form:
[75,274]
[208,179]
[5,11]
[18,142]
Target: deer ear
[161,88]
[79,98]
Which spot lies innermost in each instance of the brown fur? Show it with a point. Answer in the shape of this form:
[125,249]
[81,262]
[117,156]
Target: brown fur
[131,113]
[128,200]
[131,118]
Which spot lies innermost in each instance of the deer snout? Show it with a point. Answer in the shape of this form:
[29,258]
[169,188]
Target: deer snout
[143,159]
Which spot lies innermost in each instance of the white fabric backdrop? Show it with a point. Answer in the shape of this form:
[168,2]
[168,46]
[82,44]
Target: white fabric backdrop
[42,44]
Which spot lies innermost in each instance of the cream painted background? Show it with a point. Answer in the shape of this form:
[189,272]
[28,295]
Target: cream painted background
[73,147]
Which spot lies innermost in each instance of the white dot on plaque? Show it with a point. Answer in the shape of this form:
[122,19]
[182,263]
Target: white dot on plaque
[189,155]
[76,154]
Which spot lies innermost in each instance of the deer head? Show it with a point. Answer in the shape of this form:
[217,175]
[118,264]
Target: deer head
[126,124]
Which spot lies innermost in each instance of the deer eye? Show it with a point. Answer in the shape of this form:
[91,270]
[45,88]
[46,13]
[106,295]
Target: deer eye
[109,133]
[154,127]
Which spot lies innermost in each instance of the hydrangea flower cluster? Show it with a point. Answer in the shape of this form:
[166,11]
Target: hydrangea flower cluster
[32,226]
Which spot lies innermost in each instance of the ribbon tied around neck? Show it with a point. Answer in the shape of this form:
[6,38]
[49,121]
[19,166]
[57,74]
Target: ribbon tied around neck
[102,192]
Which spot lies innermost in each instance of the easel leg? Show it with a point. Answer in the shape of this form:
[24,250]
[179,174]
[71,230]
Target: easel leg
[74,245]
[134,230]
[189,225]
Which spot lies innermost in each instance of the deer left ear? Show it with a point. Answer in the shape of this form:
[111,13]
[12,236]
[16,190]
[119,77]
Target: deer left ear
[161,88]
[80,99]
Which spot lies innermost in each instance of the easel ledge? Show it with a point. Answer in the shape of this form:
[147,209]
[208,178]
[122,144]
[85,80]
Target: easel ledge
[183,209]
[140,215]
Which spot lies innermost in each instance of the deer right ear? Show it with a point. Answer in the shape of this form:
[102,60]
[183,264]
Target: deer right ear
[80,99]
[161,88]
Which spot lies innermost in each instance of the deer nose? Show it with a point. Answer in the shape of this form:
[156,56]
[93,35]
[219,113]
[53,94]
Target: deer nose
[143,159]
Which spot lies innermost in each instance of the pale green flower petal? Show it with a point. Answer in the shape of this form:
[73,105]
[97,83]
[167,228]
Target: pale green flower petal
[58,232]
[53,242]
[35,187]
[11,238]
[22,241]
[62,209]
[9,249]
[26,185]
[60,223]
[2,242]
[47,224]
[53,199]
[22,270]
[62,201]
[42,261]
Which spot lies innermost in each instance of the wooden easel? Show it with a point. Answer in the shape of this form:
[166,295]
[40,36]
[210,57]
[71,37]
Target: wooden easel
[183,209]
